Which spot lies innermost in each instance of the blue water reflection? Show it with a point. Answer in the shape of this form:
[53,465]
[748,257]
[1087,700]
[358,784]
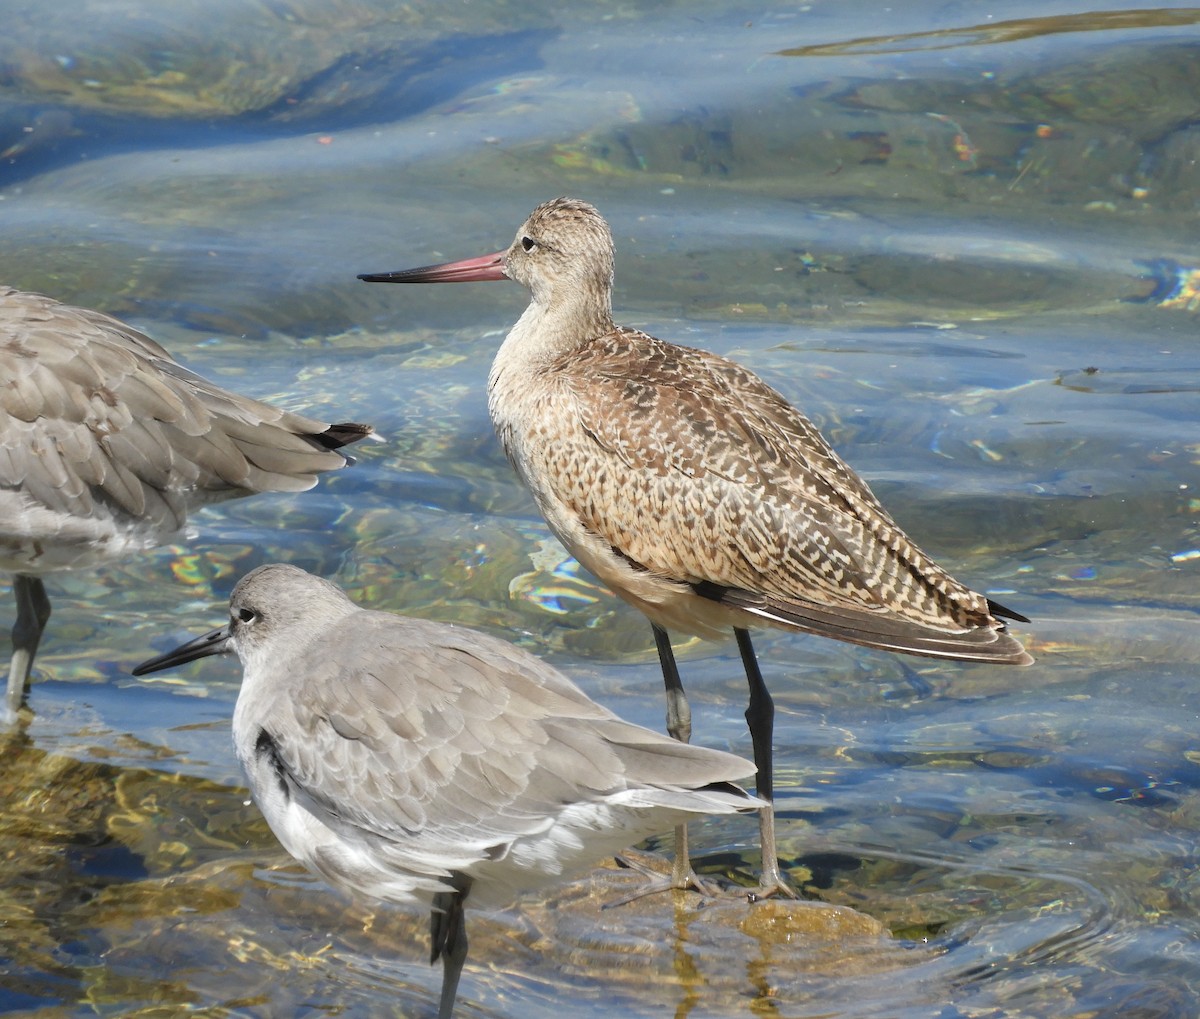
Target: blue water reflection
[961,240]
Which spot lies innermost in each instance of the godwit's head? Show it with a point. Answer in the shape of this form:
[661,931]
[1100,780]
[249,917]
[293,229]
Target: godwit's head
[563,254]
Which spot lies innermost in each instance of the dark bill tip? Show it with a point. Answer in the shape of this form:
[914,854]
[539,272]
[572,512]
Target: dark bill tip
[215,642]
[468,270]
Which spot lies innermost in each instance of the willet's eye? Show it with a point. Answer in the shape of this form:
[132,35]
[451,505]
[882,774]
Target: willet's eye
[528,243]
[246,616]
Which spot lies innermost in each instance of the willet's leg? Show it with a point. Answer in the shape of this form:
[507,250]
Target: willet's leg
[760,717]
[33,609]
[448,937]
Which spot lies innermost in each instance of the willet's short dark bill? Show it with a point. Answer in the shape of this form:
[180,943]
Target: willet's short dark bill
[106,443]
[694,490]
[410,760]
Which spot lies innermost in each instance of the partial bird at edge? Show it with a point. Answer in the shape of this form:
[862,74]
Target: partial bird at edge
[107,442]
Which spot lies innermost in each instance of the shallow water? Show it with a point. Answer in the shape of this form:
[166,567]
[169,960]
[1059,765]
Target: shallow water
[961,238]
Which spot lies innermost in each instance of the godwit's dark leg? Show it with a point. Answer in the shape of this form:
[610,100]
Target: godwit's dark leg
[679,712]
[679,726]
[760,717]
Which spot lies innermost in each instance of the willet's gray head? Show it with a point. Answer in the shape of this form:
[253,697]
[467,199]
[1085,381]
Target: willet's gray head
[409,760]
[106,443]
[694,490]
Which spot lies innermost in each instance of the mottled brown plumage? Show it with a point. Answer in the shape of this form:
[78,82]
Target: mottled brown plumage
[692,488]
[697,473]
[106,443]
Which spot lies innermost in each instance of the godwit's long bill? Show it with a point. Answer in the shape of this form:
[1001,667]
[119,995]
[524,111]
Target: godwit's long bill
[695,491]
[107,442]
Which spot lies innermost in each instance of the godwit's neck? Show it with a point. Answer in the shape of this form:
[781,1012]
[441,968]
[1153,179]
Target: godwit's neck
[549,330]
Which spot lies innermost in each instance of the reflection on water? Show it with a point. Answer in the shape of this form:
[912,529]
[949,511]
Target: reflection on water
[961,244]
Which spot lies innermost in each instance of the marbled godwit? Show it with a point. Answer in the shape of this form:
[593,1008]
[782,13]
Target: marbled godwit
[106,442]
[408,760]
[694,490]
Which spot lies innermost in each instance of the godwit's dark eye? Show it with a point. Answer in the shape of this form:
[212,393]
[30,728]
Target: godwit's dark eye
[246,616]
[528,243]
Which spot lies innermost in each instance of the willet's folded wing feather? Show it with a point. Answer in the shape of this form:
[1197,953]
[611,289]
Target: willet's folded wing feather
[454,748]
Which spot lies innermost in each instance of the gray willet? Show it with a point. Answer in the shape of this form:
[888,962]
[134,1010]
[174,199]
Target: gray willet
[694,490]
[106,443]
[409,760]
